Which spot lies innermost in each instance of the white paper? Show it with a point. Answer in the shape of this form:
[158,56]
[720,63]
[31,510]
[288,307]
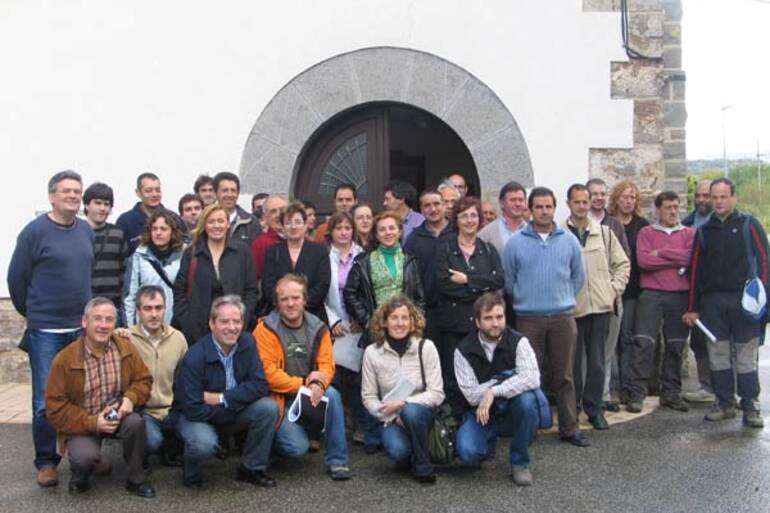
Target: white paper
[347,353]
[401,391]
[295,411]
[705,331]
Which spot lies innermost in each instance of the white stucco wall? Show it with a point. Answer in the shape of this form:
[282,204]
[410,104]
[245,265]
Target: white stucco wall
[112,89]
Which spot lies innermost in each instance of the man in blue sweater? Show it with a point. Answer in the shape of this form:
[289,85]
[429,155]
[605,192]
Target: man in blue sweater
[543,274]
[49,280]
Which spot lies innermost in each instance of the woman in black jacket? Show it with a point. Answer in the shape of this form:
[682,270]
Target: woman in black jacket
[213,266]
[466,268]
[380,274]
[296,254]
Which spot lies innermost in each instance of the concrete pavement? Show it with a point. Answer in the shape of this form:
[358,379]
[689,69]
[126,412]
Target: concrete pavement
[662,462]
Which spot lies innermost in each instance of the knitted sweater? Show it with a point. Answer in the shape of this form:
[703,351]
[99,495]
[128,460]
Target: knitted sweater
[543,276]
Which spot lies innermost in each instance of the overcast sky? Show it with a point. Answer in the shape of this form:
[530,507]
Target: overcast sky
[726,52]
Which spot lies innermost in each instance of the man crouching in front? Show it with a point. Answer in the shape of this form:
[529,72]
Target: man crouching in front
[93,388]
[221,390]
[497,373]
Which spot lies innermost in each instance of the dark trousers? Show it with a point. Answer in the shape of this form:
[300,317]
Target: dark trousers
[734,356]
[700,350]
[348,382]
[653,307]
[625,341]
[592,333]
[447,343]
[555,337]
[85,451]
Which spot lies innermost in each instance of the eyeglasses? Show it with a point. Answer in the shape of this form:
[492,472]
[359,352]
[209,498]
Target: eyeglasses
[296,223]
[470,216]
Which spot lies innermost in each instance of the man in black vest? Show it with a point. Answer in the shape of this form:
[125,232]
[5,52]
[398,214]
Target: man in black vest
[496,372]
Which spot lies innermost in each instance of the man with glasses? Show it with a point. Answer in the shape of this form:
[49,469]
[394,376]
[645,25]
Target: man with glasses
[49,281]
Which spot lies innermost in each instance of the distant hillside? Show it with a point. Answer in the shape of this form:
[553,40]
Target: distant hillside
[698,166]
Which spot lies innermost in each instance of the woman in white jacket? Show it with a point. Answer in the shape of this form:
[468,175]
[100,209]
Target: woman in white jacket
[392,364]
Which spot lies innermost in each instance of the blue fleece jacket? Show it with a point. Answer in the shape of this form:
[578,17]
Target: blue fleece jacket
[49,277]
[543,276]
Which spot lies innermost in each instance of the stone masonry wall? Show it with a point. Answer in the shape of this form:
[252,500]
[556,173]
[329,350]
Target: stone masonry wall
[657,86]
[14,366]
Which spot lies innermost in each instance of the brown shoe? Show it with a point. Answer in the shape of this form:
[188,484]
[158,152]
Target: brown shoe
[48,476]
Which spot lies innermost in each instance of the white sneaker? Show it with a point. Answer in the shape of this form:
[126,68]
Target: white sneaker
[699,396]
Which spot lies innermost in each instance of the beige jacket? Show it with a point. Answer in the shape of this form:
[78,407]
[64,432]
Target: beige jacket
[162,363]
[382,370]
[607,269]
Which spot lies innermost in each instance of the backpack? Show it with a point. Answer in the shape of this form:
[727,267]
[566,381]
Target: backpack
[441,434]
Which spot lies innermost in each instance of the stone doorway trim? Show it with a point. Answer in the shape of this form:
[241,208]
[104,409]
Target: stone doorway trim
[383,74]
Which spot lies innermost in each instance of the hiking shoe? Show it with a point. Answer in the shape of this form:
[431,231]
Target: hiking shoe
[255,477]
[699,396]
[339,473]
[426,479]
[577,439]
[521,476]
[753,419]
[718,413]
[676,404]
[78,484]
[358,437]
[599,422]
[48,476]
[634,406]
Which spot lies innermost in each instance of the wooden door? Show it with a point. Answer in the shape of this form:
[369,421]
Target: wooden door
[352,149]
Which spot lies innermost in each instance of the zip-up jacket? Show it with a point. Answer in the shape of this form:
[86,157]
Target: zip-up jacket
[272,349]
[245,228]
[719,261]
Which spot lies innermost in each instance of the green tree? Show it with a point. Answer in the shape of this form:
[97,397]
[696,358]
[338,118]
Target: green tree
[752,185]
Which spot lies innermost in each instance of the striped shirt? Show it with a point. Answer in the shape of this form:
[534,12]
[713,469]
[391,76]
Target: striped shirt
[526,376]
[102,383]
[110,252]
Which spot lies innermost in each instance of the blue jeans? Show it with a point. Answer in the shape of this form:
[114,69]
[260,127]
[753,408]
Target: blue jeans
[43,347]
[154,430]
[410,441]
[291,439]
[518,419]
[201,440]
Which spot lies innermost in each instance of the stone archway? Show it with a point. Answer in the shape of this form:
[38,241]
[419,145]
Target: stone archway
[383,74]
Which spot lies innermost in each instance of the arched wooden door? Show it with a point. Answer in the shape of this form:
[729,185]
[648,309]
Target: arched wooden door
[354,149]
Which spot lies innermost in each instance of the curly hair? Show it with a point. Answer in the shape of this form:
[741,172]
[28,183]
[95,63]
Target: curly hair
[378,326]
[176,242]
[620,188]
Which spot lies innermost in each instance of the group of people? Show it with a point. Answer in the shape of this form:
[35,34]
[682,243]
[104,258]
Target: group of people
[191,335]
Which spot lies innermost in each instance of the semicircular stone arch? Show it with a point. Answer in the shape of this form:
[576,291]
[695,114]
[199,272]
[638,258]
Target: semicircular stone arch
[383,74]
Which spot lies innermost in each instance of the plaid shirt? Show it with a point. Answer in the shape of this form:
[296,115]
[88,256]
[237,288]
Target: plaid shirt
[102,383]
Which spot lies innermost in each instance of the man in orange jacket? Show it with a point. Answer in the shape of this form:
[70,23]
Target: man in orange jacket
[296,351]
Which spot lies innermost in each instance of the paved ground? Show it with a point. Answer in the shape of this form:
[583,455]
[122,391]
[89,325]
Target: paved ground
[662,462]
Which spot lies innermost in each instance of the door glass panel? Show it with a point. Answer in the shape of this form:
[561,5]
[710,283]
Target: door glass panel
[346,165]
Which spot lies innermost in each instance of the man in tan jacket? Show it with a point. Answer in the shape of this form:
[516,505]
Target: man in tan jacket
[161,348]
[94,387]
[607,269]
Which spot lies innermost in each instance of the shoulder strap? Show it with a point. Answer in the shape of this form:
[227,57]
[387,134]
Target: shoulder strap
[159,269]
[422,367]
[750,255]
[191,272]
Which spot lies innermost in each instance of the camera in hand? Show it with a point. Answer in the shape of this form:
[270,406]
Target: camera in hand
[112,415]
